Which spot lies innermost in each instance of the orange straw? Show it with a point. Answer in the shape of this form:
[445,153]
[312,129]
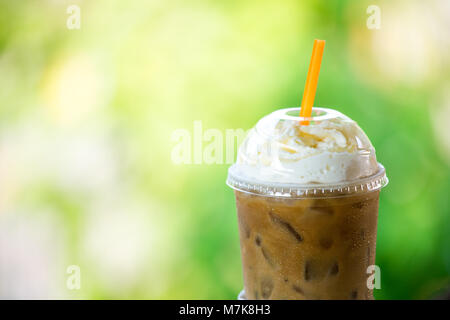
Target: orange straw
[311,80]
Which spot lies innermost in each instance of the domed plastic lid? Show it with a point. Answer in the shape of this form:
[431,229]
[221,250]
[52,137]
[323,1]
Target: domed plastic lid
[326,154]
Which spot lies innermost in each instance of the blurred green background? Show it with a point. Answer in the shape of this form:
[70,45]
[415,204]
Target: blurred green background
[87,117]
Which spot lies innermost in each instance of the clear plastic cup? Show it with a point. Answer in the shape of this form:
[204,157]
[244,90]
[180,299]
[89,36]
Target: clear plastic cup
[306,240]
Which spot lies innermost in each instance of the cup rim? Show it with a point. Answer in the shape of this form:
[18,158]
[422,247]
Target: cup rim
[317,190]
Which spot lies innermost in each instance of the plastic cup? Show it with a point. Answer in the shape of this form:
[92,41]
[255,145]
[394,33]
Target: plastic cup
[305,240]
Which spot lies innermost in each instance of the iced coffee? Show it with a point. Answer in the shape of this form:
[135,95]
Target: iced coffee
[307,205]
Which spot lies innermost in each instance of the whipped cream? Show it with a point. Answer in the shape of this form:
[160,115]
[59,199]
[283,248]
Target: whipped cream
[331,149]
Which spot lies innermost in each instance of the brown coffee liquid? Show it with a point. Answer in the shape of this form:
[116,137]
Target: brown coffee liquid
[307,248]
